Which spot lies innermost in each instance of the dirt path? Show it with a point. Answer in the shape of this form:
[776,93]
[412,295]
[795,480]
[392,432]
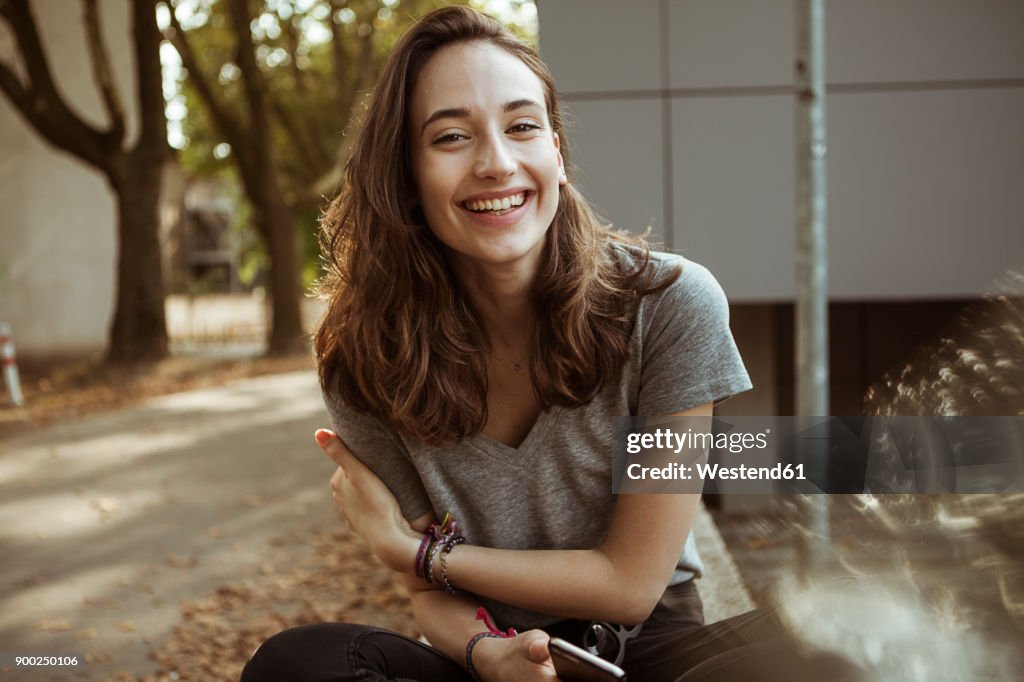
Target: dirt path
[179,527]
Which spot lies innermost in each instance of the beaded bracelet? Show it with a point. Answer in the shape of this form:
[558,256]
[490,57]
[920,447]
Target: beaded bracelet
[445,551]
[440,537]
[428,569]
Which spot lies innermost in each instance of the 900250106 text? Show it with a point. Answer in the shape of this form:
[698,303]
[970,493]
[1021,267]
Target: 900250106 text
[45,661]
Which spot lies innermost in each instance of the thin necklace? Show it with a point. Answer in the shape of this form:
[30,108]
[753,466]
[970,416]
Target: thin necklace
[517,365]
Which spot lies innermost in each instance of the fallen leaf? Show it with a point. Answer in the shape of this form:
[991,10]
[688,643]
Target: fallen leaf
[53,625]
[106,506]
[87,634]
[253,500]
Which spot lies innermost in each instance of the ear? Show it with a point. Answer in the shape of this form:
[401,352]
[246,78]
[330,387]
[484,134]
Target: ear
[563,180]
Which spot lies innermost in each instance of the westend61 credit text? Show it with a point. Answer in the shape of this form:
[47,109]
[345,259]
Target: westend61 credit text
[817,455]
[665,440]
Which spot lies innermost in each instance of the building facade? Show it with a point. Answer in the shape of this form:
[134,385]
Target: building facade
[682,118]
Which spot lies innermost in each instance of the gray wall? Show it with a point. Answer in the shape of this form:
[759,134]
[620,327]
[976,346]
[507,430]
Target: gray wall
[681,118]
[57,225]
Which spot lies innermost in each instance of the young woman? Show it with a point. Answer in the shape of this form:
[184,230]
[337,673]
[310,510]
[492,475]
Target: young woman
[483,330]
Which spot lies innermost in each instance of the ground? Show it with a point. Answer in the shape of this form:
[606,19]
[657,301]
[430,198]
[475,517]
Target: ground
[99,518]
[61,390]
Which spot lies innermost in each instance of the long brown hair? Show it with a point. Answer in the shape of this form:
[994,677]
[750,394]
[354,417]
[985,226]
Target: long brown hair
[400,339]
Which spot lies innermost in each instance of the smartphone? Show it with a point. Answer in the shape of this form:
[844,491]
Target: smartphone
[573,663]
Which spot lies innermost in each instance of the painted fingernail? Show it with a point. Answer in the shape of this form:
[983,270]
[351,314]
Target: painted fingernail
[322,436]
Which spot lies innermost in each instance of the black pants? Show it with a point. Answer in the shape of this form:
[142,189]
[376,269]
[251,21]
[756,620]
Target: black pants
[673,646]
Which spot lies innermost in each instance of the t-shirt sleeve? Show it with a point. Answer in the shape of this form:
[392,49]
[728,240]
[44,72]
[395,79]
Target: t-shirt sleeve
[379,447]
[689,356]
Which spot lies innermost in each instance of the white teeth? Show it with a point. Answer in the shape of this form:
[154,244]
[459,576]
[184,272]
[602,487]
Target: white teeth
[502,204]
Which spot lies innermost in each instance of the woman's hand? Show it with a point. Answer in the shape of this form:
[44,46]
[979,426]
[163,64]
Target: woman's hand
[369,508]
[523,658]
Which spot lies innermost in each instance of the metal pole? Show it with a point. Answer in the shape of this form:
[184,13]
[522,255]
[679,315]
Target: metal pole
[10,365]
[812,242]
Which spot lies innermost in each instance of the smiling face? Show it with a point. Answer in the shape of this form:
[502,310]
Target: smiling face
[484,158]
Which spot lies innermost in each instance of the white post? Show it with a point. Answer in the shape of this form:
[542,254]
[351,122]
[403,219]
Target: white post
[10,365]
[812,243]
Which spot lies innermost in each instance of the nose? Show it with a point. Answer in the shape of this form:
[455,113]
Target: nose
[494,158]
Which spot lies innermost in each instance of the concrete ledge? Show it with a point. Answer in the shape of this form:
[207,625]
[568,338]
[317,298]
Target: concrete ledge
[721,588]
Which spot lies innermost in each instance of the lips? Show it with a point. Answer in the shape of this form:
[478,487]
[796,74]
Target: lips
[498,195]
[501,217]
[496,204]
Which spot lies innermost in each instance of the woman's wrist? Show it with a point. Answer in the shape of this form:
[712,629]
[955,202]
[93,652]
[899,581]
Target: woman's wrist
[399,552]
[484,656]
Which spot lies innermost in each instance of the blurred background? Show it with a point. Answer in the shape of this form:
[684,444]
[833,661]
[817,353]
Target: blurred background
[162,166]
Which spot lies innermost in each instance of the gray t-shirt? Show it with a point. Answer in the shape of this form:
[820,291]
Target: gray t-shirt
[555,490]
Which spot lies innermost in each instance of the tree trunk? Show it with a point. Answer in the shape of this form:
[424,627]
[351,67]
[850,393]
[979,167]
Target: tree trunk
[286,333]
[260,179]
[138,332]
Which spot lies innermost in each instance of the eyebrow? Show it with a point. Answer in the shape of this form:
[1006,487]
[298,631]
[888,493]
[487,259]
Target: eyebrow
[462,112]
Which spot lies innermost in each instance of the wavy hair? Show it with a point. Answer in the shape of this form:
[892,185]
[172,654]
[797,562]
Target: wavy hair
[400,339]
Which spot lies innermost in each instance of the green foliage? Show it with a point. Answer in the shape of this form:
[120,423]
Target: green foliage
[313,91]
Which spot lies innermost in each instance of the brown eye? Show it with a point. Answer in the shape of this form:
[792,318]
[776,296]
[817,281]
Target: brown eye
[450,137]
[523,127]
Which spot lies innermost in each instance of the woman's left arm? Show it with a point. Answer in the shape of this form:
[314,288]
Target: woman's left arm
[620,581]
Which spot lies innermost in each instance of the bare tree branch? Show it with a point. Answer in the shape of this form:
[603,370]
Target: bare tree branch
[261,168]
[229,126]
[252,78]
[149,80]
[274,217]
[348,94]
[101,69]
[348,91]
[292,33]
[337,48]
[365,73]
[305,135]
[10,85]
[39,102]
[293,129]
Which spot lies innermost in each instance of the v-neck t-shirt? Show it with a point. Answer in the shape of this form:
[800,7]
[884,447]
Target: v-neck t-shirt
[554,491]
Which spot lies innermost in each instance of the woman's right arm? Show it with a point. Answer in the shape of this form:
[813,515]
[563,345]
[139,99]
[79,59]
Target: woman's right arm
[449,622]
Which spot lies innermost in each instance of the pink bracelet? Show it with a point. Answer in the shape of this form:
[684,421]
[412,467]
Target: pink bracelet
[481,614]
[492,631]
